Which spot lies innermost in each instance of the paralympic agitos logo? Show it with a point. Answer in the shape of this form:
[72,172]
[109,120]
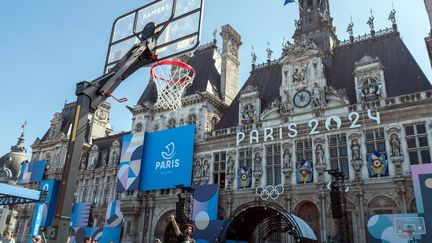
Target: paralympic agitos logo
[168,161]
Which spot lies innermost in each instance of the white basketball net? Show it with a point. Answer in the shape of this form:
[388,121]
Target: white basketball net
[171,79]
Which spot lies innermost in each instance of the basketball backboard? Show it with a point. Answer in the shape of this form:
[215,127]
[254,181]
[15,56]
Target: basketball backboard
[410,226]
[178,27]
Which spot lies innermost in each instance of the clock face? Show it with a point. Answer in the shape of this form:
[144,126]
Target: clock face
[302,99]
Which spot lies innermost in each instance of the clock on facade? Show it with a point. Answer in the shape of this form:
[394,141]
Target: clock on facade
[302,99]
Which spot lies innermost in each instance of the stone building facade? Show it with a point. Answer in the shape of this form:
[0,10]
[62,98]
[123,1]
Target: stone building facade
[324,104]
[10,165]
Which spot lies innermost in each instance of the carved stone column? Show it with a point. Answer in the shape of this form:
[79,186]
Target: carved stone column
[356,155]
[396,156]
[401,192]
[362,223]
[322,197]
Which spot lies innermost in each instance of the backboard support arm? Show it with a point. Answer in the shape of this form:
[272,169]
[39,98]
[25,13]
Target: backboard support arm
[89,96]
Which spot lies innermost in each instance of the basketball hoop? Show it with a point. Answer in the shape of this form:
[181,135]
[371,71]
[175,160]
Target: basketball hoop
[171,78]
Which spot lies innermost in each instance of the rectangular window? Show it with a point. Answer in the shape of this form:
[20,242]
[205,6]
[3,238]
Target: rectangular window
[339,153]
[245,158]
[417,143]
[375,142]
[273,164]
[219,165]
[304,149]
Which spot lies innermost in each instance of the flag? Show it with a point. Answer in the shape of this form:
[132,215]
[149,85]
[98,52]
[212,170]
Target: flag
[289,1]
[24,124]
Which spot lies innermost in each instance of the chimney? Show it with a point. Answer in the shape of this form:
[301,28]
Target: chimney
[230,63]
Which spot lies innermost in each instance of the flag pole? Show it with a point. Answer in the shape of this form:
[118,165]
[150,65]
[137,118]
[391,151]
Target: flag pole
[298,5]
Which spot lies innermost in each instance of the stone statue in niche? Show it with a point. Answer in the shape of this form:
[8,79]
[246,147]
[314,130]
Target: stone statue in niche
[299,74]
[115,157]
[395,145]
[83,162]
[205,169]
[230,166]
[105,158]
[197,169]
[257,162]
[92,161]
[319,154]
[286,107]
[355,148]
[318,96]
[287,158]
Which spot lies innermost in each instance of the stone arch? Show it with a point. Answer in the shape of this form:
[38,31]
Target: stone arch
[163,229]
[138,127]
[310,213]
[192,119]
[382,204]
[171,123]
[256,221]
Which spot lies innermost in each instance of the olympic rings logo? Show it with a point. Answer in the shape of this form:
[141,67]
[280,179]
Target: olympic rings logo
[272,192]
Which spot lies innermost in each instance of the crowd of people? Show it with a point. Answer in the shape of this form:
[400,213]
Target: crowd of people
[182,237]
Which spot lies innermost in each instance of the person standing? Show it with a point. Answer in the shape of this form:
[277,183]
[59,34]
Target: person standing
[8,237]
[186,236]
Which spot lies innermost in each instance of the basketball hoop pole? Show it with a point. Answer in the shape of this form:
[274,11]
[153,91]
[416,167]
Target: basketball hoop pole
[89,96]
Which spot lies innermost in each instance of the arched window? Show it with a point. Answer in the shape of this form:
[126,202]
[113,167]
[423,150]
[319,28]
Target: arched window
[310,214]
[192,119]
[138,127]
[248,115]
[48,159]
[370,88]
[171,123]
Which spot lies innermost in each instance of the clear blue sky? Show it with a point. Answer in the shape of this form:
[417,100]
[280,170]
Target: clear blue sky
[47,46]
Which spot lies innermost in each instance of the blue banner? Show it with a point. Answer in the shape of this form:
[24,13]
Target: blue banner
[167,159]
[80,214]
[114,216]
[130,162]
[31,172]
[99,234]
[44,211]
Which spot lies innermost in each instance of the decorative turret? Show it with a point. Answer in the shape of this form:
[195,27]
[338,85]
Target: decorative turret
[230,63]
[11,162]
[316,23]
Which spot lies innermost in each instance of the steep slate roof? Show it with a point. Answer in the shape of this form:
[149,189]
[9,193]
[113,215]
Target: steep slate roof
[268,80]
[401,72]
[204,64]
[68,116]
[105,143]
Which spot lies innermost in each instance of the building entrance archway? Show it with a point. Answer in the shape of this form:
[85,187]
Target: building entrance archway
[310,213]
[256,221]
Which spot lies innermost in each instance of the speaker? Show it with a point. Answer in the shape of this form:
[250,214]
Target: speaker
[335,200]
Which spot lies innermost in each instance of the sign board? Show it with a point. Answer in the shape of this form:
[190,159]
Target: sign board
[167,159]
